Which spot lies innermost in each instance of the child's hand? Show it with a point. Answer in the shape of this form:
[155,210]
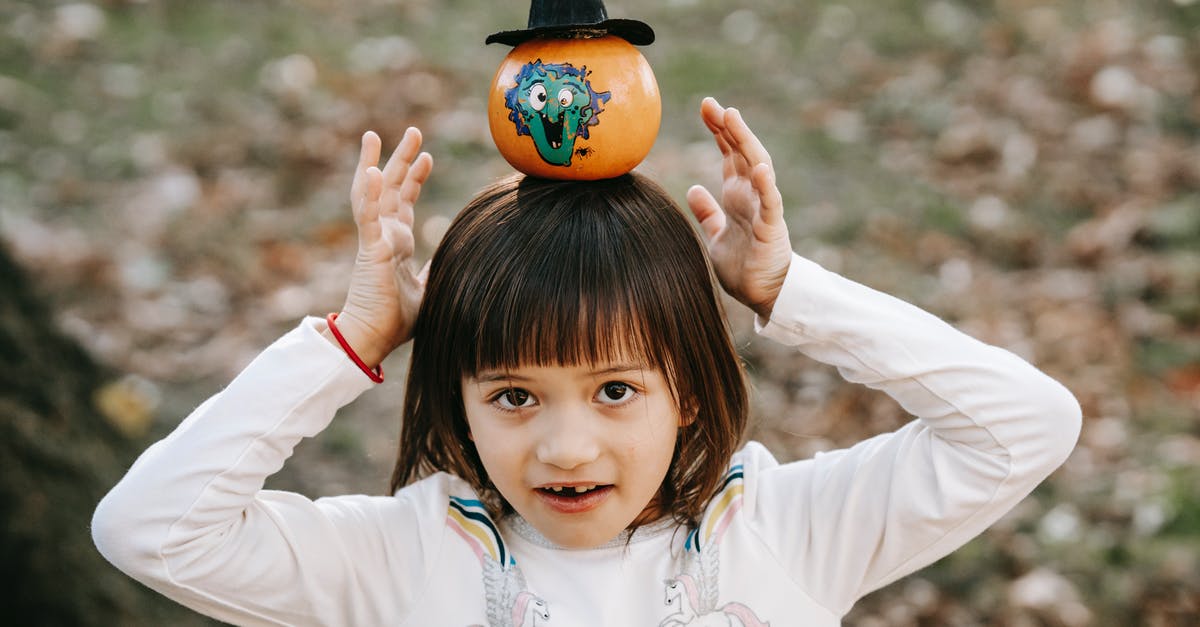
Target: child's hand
[747,240]
[385,287]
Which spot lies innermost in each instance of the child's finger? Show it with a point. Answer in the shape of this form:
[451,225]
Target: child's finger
[398,164]
[738,162]
[731,161]
[763,179]
[368,155]
[713,117]
[706,209]
[366,214]
[744,140]
[723,144]
[712,113]
[735,160]
[734,164]
[410,189]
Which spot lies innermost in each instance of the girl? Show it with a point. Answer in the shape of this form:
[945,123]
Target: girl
[567,454]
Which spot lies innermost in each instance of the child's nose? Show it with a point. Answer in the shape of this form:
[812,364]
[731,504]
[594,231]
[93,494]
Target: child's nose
[567,440]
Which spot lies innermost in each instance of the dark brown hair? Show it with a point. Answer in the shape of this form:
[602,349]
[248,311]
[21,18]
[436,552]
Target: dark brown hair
[538,272]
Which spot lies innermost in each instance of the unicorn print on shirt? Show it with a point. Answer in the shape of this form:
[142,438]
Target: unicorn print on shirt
[682,592]
[509,603]
[528,608]
[694,592]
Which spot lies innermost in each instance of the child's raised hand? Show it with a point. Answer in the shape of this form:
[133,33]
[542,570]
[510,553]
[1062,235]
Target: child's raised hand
[386,286]
[748,239]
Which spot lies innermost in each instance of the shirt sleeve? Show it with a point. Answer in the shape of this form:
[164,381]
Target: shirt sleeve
[989,427]
[191,520]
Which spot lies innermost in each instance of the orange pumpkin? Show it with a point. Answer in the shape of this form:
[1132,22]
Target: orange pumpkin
[583,108]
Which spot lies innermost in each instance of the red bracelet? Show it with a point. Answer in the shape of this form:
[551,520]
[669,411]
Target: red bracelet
[376,375]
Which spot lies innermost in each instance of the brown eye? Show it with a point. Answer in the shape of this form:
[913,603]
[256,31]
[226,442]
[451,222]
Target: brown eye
[514,398]
[615,392]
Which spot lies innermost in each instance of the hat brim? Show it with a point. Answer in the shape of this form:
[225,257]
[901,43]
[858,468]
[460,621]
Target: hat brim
[633,31]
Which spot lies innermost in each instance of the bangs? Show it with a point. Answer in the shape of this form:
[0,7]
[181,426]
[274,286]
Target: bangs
[567,309]
[569,282]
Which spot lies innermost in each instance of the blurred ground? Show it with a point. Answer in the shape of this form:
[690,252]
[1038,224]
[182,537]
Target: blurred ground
[174,175]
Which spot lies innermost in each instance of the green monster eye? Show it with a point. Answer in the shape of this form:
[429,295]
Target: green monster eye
[566,97]
[537,97]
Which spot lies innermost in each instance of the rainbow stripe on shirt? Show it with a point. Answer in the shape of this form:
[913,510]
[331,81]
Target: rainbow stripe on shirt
[720,511]
[469,519]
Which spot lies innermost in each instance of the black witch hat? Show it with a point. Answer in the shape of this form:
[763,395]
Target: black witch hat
[556,17]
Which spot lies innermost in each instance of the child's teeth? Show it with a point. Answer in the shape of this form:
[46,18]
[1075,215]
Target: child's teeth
[579,489]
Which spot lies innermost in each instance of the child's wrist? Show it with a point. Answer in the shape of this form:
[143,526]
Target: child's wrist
[764,309]
[360,340]
[770,289]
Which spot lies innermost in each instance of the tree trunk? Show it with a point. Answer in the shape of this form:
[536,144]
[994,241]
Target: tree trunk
[58,456]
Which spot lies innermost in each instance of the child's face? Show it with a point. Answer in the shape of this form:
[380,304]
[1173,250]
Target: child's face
[544,433]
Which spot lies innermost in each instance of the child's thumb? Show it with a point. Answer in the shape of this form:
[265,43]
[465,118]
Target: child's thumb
[706,209]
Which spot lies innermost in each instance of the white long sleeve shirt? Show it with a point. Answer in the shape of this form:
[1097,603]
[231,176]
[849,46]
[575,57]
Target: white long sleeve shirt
[791,544]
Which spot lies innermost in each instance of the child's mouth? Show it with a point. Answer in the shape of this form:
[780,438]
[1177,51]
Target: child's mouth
[571,491]
[574,499]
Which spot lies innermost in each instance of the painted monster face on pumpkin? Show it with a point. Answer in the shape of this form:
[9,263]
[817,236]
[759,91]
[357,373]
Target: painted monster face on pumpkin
[554,104]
